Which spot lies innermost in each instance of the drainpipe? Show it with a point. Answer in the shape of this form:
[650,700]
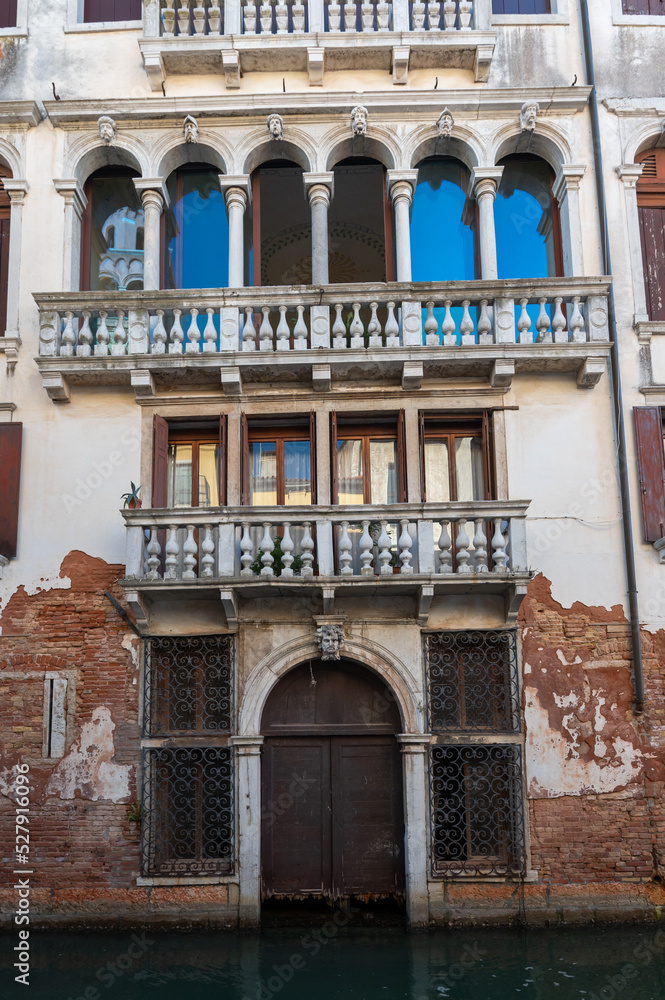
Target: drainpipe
[619,424]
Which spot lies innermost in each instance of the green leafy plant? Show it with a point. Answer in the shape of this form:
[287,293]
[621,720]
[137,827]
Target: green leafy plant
[278,557]
[132,498]
[135,812]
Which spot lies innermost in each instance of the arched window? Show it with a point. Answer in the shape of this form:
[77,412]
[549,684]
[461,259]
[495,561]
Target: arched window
[278,227]
[651,209]
[111,221]
[111,10]
[5,206]
[526,218]
[443,223]
[360,239]
[195,230]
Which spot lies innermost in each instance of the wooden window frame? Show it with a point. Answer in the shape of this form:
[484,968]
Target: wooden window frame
[164,435]
[451,426]
[274,429]
[352,431]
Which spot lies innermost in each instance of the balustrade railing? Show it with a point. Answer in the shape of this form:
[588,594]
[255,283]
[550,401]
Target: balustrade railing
[485,539]
[351,317]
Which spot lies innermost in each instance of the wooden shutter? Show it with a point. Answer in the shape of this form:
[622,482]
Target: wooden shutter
[160,460]
[488,451]
[97,11]
[221,470]
[333,454]
[10,463]
[421,450]
[651,465]
[643,7]
[8,14]
[244,459]
[401,458]
[312,453]
[652,231]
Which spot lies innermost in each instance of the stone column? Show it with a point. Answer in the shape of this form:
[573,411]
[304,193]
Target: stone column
[319,189]
[154,198]
[236,189]
[414,748]
[75,203]
[630,173]
[566,190]
[248,791]
[401,185]
[17,190]
[484,184]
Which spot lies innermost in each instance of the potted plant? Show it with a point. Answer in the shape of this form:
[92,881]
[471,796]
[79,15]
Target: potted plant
[132,499]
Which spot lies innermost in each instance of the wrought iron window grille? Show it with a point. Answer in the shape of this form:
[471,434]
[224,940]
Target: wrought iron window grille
[188,688]
[188,811]
[472,681]
[476,810]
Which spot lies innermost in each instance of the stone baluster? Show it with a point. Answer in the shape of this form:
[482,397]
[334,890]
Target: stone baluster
[288,546]
[543,324]
[559,323]
[298,17]
[319,188]
[267,546]
[208,550]
[401,184]
[484,182]
[480,547]
[154,551]
[119,335]
[214,20]
[283,332]
[168,20]
[499,555]
[189,550]
[249,17]
[344,548]
[154,197]
[462,544]
[448,328]
[102,337]
[576,325]
[177,336]
[172,553]
[405,544]
[383,16]
[265,331]
[247,550]
[68,339]
[193,334]
[464,14]
[431,326]
[418,16]
[248,331]
[450,14]
[236,188]
[356,328]
[434,16]
[374,327]
[183,17]
[367,16]
[334,16]
[199,19]
[350,16]
[300,331]
[339,329]
[445,546]
[392,326]
[385,555]
[484,324]
[159,335]
[265,13]
[366,551]
[307,550]
[282,17]
[466,327]
[84,346]
[524,324]
[210,333]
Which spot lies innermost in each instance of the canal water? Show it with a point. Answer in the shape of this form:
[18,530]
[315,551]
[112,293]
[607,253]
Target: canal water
[332,961]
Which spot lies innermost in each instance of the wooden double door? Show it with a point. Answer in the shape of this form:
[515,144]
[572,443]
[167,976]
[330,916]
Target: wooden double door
[332,804]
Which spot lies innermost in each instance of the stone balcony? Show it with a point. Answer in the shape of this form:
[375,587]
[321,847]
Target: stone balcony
[233,38]
[390,333]
[423,550]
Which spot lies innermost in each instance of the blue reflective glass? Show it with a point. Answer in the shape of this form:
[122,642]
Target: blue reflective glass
[524,219]
[442,223]
[197,231]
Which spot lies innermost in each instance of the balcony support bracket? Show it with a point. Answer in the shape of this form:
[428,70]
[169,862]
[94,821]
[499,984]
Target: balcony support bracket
[143,383]
[315,63]
[231,380]
[483,63]
[401,64]
[328,594]
[139,608]
[425,596]
[502,374]
[321,378]
[514,597]
[231,64]
[590,373]
[230,605]
[153,63]
[412,375]
[56,387]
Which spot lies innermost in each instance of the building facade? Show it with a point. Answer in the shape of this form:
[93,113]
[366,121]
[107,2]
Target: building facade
[362,321]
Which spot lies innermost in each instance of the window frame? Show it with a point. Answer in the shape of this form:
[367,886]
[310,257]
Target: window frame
[86,219]
[461,425]
[255,429]
[359,427]
[164,433]
[560,14]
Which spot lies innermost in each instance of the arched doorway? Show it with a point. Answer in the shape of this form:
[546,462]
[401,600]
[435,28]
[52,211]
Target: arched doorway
[332,807]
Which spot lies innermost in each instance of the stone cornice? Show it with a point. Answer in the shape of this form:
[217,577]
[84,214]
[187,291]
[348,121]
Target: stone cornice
[636,107]
[159,111]
[25,113]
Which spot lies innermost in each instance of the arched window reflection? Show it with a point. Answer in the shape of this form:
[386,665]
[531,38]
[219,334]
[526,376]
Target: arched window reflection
[443,223]
[196,230]
[526,218]
[278,228]
[112,221]
[360,223]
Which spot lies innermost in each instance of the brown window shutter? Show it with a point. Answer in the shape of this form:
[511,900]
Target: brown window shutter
[244,452]
[160,459]
[401,458]
[221,470]
[651,465]
[421,450]
[333,454]
[11,436]
[312,453]
[488,451]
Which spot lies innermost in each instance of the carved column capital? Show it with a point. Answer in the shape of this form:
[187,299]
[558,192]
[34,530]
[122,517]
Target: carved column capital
[72,191]
[16,189]
[630,173]
[485,181]
[319,187]
[401,184]
[152,191]
[568,178]
[247,746]
[236,189]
